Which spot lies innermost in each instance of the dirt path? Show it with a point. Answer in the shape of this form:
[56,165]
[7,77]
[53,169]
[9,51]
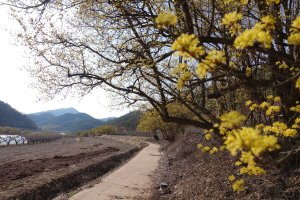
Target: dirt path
[129,182]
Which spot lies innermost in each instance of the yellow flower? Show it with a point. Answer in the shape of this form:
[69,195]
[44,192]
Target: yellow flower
[248,103]
[230,20]
[232,119]
[238,163]
[268,22]
[277,99]
[243,2]
[216,125]
[298,83]
[238,186]
[252,169]
[264,105]
[296,25]
[265,39]
[282,65]
[277,127]
[205,149]
[165,19]
[295,108]
[248,71]
[290,133]
[187,46]
[200,146]
[270,97]
[213,150]
[253,106]
[201,70]
[250,139]
[269,2]
[246,39]
[273,109]
[247,157]
[294,39]
[259,33]
[208,136]
[231,177]
[259,126]
[213,58]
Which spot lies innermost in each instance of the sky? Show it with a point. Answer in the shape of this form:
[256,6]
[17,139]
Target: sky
[15,81]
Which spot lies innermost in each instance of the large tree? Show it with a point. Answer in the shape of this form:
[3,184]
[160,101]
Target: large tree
[209,56]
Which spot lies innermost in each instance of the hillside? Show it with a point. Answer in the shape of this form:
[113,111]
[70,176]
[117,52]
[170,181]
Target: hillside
[12,118]
[128,121]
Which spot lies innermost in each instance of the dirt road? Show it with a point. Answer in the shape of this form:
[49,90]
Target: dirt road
[131,181]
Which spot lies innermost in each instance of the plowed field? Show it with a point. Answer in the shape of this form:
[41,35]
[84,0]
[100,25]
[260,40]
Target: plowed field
[41,171]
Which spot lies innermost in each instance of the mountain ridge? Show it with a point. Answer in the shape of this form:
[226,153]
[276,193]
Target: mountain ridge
[57,112]
[76,121]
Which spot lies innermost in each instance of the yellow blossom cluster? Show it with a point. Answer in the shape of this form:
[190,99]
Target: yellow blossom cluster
[232,119]
[230,21]
[208,136]
[281,129]
[282,65]
[270,109]
[213,150]
[293,69]
[298,83]
[188,46]
[243,2]
[209,63]
[208,149]
[295,108]
[165,19]
[250,139]
[238,186]
[238,163]
[252,169]
[231,178]
[204,148]
[269,2]
[294,37]
[260,33]
[184,74]
[248,71]
[250,143]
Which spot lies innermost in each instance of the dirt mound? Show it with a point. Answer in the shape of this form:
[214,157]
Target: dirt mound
[191,174]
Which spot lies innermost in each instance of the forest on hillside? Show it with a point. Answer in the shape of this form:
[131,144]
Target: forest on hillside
[12,118]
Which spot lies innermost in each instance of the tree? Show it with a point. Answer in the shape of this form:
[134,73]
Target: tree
[207,56]
[152,122]
[98,131]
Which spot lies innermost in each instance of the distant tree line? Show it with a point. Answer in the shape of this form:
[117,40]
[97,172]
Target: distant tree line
[10,135]
[100,130]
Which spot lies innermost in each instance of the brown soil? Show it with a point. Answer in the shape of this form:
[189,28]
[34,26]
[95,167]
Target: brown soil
[43,170]
[191,174]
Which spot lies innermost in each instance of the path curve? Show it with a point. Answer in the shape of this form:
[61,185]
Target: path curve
[131,181]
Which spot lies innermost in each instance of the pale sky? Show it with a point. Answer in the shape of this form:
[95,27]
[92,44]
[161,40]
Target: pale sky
[15,81]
